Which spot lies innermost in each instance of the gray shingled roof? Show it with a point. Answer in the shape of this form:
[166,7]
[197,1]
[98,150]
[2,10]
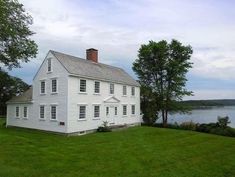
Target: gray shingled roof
[26,97]
[85,68]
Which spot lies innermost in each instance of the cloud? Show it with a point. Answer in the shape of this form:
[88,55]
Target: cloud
[118,28]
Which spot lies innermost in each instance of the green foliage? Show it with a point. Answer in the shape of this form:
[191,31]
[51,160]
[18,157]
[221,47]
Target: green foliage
[161,67]
[104,127]
[9,87]
[188,125]
[223,121]
[15,44]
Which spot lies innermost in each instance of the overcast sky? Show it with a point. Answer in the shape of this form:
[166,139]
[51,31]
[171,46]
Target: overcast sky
[117,28]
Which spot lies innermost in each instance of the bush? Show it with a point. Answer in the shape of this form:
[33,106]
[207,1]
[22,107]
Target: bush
[104,127]
[223,121]
[188,125]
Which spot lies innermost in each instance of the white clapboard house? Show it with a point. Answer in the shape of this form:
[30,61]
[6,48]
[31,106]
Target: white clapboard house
[74,95]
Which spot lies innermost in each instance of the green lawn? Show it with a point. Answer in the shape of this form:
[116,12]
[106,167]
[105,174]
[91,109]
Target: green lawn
[138,151]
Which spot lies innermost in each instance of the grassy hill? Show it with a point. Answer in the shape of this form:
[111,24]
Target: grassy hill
[138,151]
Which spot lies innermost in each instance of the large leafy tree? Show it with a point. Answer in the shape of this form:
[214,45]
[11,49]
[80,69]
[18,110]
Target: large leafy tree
[15,44]
[9,86]
[161,67]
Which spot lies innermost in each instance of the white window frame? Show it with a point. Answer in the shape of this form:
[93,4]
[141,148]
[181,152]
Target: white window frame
[94,105]
[25,116]
[17,116]
[56,113]
[44,113]
[79,106]
[96,88]
[132,109]
[44,87]
[111,88]
[124,115]
[49,60]
[52,79]
[124,86]
[115,111]
[132,91]
[80,86]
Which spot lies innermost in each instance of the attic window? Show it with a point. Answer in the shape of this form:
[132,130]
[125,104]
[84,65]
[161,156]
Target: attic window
[49,65]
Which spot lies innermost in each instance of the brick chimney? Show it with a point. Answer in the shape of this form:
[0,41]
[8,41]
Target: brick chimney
[92,54]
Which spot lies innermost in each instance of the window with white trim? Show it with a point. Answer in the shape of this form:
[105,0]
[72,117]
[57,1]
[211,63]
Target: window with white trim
[133,109]
[111,90]
[133,91]
[124,110]
[96,111]
[82,112]
[115,111]
[97,87]
[49,64]
[124,90]
[82,86]
[107,111]
[53,112]
[43,87]
[25,112]
[42,112]
[17,111]
[54,85]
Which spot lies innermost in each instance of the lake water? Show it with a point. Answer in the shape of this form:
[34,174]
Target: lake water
[205,115]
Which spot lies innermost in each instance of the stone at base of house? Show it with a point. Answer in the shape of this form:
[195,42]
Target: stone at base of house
[79,133]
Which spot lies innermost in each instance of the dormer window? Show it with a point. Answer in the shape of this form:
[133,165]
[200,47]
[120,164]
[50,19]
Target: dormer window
[49,65]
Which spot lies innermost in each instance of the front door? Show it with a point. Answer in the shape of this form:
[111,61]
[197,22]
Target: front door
[111,114]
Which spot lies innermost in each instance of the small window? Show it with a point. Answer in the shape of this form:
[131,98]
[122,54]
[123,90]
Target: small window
[53,112]
[124,90]
[111,89]
[82,112]
[49,65]
[42,112]
[96,111]
[97,87]
[54,86]
[107,111]
[83,85]
[133,91]
[17,111]
[25,112]
[115,111]
[133,109]
[124,111]
[43,87]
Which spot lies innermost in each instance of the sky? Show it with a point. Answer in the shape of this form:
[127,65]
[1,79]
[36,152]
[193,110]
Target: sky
[117,28]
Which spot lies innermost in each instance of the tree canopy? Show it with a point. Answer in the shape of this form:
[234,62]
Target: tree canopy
[162,67]
[15,44]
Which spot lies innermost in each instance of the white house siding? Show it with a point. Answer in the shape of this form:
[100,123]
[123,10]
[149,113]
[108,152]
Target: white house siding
[59,99]
[89,99]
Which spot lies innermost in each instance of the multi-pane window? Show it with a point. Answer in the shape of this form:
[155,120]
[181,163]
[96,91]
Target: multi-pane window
[124,90]
[107,111]
[124,110]
[49,65]
[53,112]
[97,87]
[133,109]
[25,112]
[43,87]
[96,111]
[115,111]
[82,85]
[111,89]
[133,91]
[17,111]
[53,85]
[82,112]
[42,112]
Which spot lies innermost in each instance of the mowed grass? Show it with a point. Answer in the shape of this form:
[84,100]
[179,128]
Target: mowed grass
[138,151]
